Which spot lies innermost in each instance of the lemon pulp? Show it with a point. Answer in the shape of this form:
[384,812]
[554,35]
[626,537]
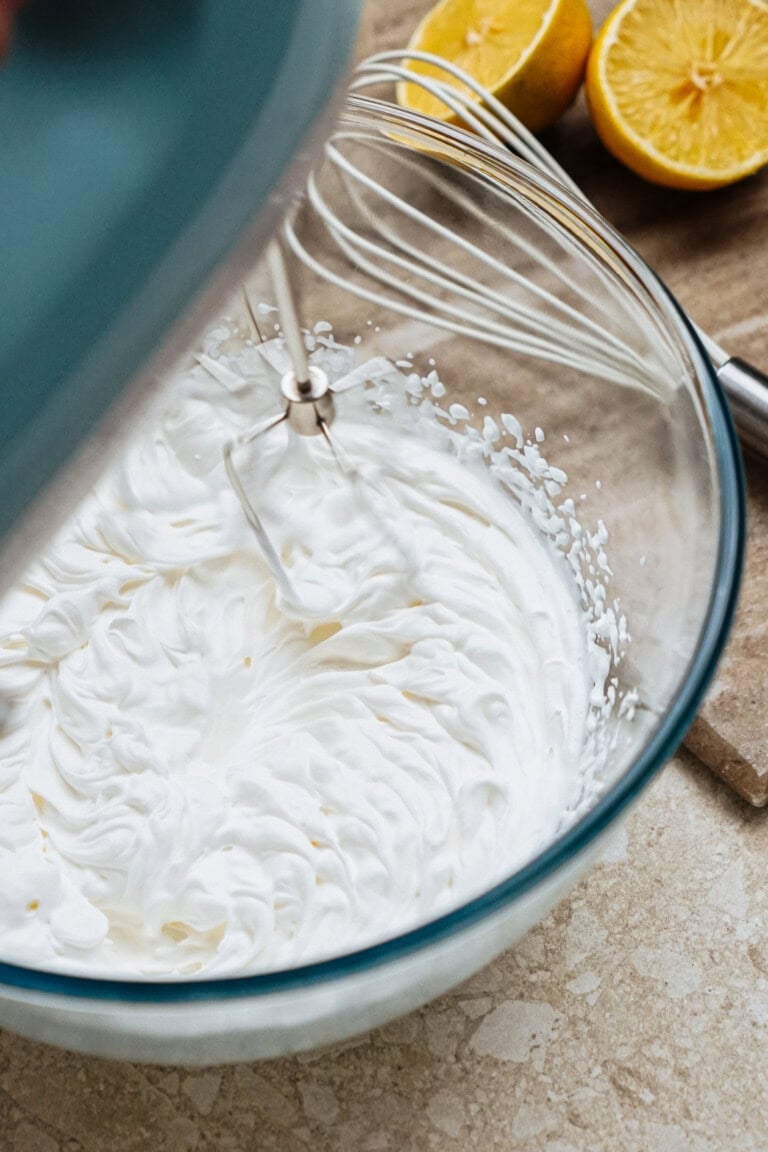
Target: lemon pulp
[679,90]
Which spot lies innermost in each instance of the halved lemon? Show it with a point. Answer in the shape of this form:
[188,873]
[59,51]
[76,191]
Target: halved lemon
[678,89]
[530,54]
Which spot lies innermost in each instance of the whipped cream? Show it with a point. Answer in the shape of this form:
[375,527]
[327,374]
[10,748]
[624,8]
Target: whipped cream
[198,778]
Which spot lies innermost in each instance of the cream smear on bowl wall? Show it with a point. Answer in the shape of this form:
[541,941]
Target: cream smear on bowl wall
[198,778]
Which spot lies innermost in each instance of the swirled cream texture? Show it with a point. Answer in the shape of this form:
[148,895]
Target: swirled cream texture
[196,778]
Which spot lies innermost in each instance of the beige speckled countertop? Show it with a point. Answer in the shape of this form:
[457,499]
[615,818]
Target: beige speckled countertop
[634,1018]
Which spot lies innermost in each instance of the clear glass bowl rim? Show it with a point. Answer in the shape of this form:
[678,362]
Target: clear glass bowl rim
[652,757]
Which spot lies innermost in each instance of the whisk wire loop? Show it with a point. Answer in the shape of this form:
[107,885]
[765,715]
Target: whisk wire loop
[437,272]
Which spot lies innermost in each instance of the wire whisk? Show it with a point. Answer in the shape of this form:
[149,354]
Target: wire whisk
[479,270]
[466,277]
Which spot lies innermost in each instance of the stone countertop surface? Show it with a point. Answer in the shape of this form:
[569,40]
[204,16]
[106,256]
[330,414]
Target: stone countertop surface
[636,1016]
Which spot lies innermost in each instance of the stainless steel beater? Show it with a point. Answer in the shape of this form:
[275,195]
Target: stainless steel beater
[309,409]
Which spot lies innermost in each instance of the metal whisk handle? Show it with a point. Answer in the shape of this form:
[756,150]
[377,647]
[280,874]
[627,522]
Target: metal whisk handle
[747,392]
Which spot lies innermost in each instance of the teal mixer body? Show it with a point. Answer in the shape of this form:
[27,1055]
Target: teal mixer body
[146,150]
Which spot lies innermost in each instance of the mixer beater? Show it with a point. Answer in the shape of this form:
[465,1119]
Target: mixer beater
[309,410]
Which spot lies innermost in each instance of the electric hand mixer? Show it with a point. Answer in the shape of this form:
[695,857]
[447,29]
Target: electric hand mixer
[148,151]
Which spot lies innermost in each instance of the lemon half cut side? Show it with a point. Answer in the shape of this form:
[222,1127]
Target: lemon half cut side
[678,89]
[530,54]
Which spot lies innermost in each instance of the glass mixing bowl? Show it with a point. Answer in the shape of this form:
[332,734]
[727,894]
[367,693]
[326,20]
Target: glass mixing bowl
[582,341]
